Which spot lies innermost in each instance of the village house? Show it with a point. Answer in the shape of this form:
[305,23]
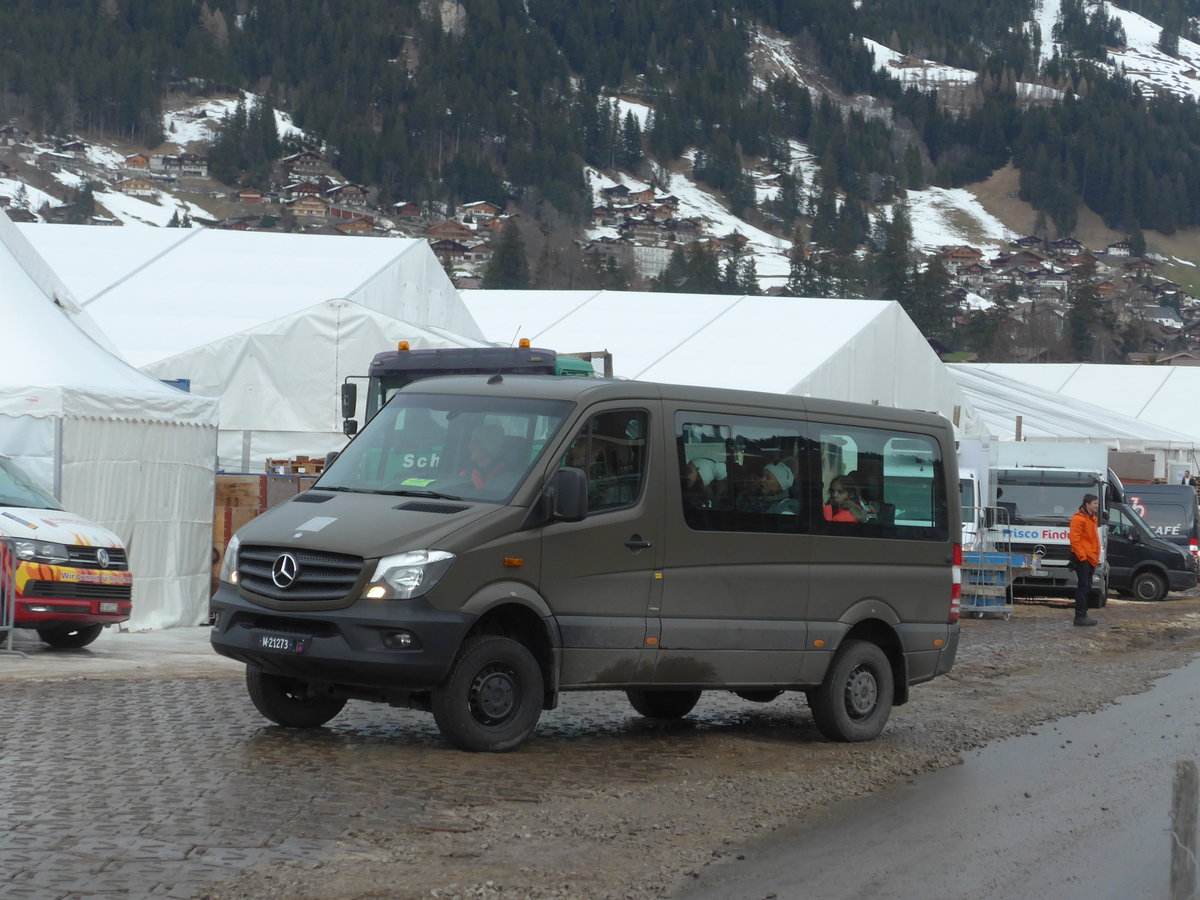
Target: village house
[1181,358]
[298,189]
[960,257]
[616,194]
[307,162]
[77,149]
[347,194]
[1119,248]
[1064,246]
[480,209]
[407,209]
[359,226]
[10,135]
[451,230]
[643,196]
[479,253]
[139,162]
[309,207]
[192,165]
[249,195]
[1029,242]
[136,187]
[447,249]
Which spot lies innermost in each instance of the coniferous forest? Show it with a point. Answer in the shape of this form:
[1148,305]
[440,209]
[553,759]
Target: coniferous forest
[460,100]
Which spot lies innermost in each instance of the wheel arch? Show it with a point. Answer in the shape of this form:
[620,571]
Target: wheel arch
[516,611]
[883,635]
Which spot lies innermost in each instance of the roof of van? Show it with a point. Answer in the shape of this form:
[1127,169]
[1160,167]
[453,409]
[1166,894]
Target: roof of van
[579,389]
[1161,490]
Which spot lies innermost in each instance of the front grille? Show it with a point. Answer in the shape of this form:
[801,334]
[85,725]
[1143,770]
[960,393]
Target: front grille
[83,557]
[70,590]
[319,576]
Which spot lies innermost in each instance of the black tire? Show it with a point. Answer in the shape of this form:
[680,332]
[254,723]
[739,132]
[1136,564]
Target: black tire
[492,698]
[855,699]
[287,701]
[663,704]
[763,696]
[1149,586]
[69,636]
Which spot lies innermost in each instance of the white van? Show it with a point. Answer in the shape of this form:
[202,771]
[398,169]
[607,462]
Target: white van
[71,575]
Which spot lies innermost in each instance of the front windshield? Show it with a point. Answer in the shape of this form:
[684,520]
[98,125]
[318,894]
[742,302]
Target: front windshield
[447,445]
[1028,504]
[18,489]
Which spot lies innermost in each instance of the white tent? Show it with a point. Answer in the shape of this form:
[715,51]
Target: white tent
[112,443]
[158,292]
[1024,396]
[868,351]
[278,382]
[269,323]
[1160,396]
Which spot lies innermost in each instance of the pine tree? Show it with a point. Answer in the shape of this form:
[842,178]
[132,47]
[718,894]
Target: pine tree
[508,269]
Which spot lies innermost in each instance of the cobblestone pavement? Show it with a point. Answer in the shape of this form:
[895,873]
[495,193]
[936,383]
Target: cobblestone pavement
[140,780]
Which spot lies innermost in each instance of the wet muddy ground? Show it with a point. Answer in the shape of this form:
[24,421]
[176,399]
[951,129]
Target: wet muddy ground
[139,768]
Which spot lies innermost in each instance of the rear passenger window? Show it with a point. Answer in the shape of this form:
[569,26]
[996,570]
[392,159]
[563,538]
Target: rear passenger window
[611,450]
[742,474]
[880,483]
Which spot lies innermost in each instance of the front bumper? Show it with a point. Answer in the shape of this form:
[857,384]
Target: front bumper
[354,647]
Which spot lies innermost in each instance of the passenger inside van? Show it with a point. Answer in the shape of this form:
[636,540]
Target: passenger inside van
[845,502]
[771,495]
[701,489]
[486,463]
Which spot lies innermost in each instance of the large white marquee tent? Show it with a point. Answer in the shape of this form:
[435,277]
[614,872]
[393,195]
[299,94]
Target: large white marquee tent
[112,443]
[1012,409]
[270,324]
[867,351]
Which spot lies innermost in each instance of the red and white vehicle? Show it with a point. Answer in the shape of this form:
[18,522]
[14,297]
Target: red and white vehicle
[71,576]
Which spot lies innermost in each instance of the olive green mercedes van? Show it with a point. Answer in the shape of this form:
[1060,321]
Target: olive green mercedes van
[485,544]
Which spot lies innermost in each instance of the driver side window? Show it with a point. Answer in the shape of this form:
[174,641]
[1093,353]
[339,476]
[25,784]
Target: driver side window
[611,450]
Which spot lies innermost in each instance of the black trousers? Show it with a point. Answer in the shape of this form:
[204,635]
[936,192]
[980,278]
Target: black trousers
[1083,574]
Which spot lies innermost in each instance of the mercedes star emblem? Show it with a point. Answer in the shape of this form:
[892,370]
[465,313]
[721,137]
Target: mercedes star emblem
[284,570]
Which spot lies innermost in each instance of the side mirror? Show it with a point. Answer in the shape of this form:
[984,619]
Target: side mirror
[1135,537]
[331,456]
[349,427]
[567,495]
[349,400]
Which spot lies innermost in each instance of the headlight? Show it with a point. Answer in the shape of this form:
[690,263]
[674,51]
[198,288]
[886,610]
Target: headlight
[40,551]
[408,575]
[229,563]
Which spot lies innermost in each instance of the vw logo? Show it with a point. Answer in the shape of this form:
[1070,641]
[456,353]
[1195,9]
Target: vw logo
[284,570]
[1039,551]
[102,557]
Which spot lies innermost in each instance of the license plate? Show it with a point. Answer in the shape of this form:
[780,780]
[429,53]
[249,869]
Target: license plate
[108,606]
[281,643]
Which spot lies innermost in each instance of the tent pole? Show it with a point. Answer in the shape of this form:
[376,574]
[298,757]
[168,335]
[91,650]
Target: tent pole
[58,462]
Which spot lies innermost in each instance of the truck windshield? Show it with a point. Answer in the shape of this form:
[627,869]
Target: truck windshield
[447,446]
[18,489]
[1030,500]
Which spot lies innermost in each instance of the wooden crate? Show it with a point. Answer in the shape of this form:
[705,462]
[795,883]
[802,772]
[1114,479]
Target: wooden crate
[298,465]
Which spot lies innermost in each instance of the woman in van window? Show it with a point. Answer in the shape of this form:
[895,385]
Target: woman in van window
[845,503]
[700,482]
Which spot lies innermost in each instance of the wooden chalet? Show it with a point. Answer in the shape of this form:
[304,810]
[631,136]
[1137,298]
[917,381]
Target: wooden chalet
[307,206]
[360,226]
[452,230]
[481,209]
[139,162]
[249,195]
[136,187]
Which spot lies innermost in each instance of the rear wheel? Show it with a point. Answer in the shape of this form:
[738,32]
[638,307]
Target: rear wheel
[68,636]
[663,704]
[1149,586]
[492,698]
[855,699]
[288,701]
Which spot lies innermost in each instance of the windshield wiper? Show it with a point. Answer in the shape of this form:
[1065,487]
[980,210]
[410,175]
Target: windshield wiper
[433,495]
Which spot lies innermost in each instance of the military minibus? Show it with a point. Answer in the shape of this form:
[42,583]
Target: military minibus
[488,543]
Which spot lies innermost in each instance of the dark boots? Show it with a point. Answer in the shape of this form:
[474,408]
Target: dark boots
[1085,619]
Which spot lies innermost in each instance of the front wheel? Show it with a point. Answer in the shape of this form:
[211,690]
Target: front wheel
[288,702]
[855,699]
[1149,586]
[663,704]
[68,637]
[492,698]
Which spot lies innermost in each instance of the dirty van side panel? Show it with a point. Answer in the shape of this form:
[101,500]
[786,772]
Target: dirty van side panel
[598,574]
[735,580]
[892,562]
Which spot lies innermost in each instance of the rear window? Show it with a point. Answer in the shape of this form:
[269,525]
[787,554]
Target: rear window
[1164,517]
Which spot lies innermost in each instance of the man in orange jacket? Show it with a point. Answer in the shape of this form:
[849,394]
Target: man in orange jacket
[1085,548]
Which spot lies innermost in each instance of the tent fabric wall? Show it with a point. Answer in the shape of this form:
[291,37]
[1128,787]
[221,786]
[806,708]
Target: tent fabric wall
[167,533]
[861,350]
[278,383]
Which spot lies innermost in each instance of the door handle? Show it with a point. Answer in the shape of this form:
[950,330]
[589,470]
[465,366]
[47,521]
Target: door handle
[636,543]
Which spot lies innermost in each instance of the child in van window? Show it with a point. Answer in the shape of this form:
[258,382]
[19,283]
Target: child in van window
[700,481]
[845,503]
[772,494]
